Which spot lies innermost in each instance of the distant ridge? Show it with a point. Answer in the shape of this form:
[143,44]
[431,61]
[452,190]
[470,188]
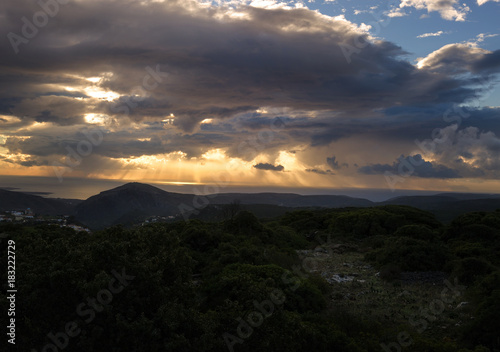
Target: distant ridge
[12,200]
[447,206]
[134,202]
[293,200]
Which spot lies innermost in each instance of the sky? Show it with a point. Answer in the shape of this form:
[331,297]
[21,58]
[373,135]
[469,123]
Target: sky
[397,95]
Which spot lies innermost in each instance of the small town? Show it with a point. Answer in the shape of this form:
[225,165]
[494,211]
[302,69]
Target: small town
[29,217]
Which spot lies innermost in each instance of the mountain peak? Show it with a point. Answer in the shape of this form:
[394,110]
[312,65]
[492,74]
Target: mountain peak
[137,186]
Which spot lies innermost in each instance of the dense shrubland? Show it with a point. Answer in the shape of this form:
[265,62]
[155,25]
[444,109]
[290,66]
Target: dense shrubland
[195,282]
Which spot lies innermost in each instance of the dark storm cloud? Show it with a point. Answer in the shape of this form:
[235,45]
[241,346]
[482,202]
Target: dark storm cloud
[490,61]
[122,144]
[198,62]
[405,123]
[321,172]
[220,67]
[415,165]
[29,163]
[269,167]
[334,164]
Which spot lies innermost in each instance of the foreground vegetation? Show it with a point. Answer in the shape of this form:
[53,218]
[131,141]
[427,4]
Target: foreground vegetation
[249,285]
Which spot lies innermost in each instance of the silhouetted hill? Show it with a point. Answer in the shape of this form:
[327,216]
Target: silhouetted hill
[134,202]
[292,200]
[429,202]
[127,204]
[11,200]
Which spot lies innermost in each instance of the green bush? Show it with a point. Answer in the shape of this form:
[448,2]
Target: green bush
[194,279]
[468,270]
[390,272]
[411,254]
[418,232]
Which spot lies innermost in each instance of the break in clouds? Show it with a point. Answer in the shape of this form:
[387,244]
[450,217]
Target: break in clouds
[187,77]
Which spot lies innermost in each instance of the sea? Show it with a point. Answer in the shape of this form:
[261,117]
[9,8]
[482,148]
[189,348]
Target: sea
[83,188]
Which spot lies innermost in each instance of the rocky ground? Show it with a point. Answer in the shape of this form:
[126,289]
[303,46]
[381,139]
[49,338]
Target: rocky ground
[414,299]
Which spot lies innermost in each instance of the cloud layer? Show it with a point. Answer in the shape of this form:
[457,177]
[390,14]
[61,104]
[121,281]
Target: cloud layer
[177,79]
